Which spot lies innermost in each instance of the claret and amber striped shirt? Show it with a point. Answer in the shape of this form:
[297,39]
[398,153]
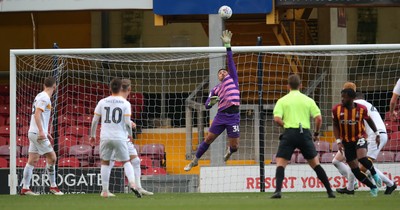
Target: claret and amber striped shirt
[351,122]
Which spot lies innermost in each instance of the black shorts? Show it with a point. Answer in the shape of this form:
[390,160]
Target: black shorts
[292,139]
[350,148]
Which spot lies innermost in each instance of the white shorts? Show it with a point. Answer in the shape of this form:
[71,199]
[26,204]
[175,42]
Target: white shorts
[114,148]
[131,150]
[40,147]
[373,150]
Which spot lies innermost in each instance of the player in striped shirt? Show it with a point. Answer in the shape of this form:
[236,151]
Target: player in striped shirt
[227,95]
[349,130]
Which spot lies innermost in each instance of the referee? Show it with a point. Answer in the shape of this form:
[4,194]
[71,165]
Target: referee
[292,112]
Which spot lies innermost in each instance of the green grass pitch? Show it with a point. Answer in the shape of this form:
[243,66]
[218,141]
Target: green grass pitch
[203,201]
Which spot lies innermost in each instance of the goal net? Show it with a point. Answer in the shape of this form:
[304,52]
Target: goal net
[169,88]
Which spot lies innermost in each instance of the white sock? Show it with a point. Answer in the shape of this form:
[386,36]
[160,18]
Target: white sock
[129,173]
[136,168]
[105,177]
[342,167]
[28,170]
[51,171]
[351,180]
[384,178]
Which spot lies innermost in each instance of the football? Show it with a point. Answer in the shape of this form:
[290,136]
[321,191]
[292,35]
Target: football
[225,12]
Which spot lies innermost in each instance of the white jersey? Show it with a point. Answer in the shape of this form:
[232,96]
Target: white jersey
[396,88]
[42,102]
[113,111]
[375,116]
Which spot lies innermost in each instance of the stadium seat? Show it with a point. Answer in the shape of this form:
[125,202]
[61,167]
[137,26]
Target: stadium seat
[385,156]
[334,147]
[74,109]
[22,141]
[392,126]
[85,120]
[66,120]
[82,152]
[24,109]
[8,121]
[3,119]
[5,89]
[4,130]
[22,120]
[154,171]
[4,141]
[23,131]
[4,109]
[300,159]
[322,146]
[3,163]
[5,151]
[65,142]
[41,163]
[21,162]
[100,89]
[397,157]
[327,157]
[392,145]
[156,152]
[24,151]
[68,162]
[292,159]
[118,164]
[78,131]
[146,162]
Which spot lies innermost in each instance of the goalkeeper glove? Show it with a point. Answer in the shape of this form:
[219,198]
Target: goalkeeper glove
[226,38]
[213,100]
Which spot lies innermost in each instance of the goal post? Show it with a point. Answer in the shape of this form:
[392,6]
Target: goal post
[169,88]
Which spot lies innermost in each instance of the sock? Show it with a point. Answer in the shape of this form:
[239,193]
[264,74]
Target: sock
[51,171]
[233,149]
[342,167]
[362,178]
[129,173]
[351,181]
[137,170]
[202,149]
[368,165]
[322,176]
[279,176]
[105,177]
[28,170]
[384,178]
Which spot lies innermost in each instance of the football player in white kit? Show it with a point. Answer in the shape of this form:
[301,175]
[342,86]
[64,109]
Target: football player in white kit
[373,148]
[39,139]
[393,100]
[133,154]
[114,112]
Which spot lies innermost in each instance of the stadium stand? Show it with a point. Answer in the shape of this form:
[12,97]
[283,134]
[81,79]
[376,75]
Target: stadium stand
[68,162]
[327,157]
[385,156]
[3,163]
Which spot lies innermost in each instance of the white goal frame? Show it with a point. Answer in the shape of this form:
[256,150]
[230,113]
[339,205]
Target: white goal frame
[270,49]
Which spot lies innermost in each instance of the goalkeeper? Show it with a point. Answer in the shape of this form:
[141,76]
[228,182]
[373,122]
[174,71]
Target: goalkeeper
[227,95]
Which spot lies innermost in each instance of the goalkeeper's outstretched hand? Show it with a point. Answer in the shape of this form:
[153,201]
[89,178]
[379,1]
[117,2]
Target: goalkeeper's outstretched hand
[226,38]
[213,100]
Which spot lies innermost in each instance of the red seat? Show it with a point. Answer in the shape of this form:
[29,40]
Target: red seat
[4,130]
[392,126]
[69,162]
[65,142]
[3,119]
[22,120]
[154,171]
[392,145]
[397,157]
[78,131]
[118,164]
[24,151]
[5,89]
[155,151]
[4,141]
[41,163]
[385,156]
[300,159]
[82,153]
[327,157]
[24,109]
[100,89]
[8,121]
[292,159]
[322,146]
[146,162]
[85,120]
[22,141]
[4,109]
[3,163]
[23,131]
[66,120]
[335,147]
[21,162]
[74,109]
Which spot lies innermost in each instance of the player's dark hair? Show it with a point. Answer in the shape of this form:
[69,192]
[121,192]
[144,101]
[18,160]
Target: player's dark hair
[349,92]
[221,70]
[294,81]
[126,83]
[360,95]
[115,85]
[49,81]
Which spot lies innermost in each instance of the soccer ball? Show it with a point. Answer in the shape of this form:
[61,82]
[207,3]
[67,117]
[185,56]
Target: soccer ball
[225,12]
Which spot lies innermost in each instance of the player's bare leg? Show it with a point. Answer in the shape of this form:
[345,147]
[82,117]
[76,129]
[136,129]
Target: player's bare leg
[233,147]
[201,150]
[28,170]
